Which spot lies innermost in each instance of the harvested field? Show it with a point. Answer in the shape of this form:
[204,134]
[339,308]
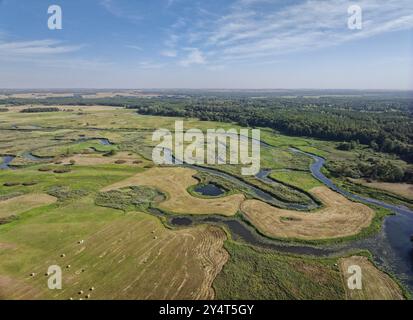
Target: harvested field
[340,218]
[174,182]
[376,285]
[402,189]
[131,257]
[20,204]
[98,159]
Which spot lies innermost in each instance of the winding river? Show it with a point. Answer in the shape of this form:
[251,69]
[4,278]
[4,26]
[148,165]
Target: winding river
[391,248]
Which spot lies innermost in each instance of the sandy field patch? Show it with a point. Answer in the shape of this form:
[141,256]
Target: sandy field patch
[402,189]
[376,285]
[339,218]
[174,181]
[97,159]
[17,205]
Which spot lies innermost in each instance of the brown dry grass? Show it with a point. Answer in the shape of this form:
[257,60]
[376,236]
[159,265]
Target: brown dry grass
[376,285]
[174,181]
[97,159]
[402,189]
[133,257]
[339,218]
[17,205]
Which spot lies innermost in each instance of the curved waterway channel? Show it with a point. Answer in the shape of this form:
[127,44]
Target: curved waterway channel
[391,248]
[28,155]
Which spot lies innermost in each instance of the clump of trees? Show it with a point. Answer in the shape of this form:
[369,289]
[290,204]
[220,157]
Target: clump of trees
[384,124]
[34,110]
[374,169]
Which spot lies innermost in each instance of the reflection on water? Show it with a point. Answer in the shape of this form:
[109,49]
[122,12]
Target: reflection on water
[4,165]
[209,189]
[392,248]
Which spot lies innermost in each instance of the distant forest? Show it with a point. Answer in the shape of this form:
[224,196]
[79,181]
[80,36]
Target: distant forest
[385,125]
[383,122]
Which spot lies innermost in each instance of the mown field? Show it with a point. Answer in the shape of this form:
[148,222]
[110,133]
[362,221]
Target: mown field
[76,207]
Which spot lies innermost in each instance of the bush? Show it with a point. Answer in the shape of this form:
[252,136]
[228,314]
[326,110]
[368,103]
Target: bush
[8,219]
[133,198]
[66,193]
[62,170]
[11,184]
[28,184]
[45,169]
[120,161]
[33,110]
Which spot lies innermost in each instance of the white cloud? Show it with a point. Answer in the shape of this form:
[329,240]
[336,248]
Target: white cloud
[36,48]
[134,47]
[115,9]
[263,29]
[150,65]
[169,53]
[195,56]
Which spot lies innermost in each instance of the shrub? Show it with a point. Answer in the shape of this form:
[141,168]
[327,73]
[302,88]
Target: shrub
[120,161]
[33,110]
[44,169]
[28,184]
[62,170]
[11,184]
[133,198]
[8,219]
[66,193]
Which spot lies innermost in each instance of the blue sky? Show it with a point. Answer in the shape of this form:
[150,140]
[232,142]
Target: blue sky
[206,44]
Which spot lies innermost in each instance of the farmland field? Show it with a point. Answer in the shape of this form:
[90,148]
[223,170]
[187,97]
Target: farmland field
[80,185]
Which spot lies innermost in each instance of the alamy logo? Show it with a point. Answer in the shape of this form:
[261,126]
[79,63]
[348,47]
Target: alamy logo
[355,20]
[55,20]
[189,147]
[354,281]
[54,280]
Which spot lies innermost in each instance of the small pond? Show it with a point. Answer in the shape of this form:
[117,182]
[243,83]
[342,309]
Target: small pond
[209,189]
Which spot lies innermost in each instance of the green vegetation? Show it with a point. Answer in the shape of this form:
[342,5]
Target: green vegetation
[64,193]
[384,124]
[298,179]
[135,198]
[253,273]
[35,110]
[83,210]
